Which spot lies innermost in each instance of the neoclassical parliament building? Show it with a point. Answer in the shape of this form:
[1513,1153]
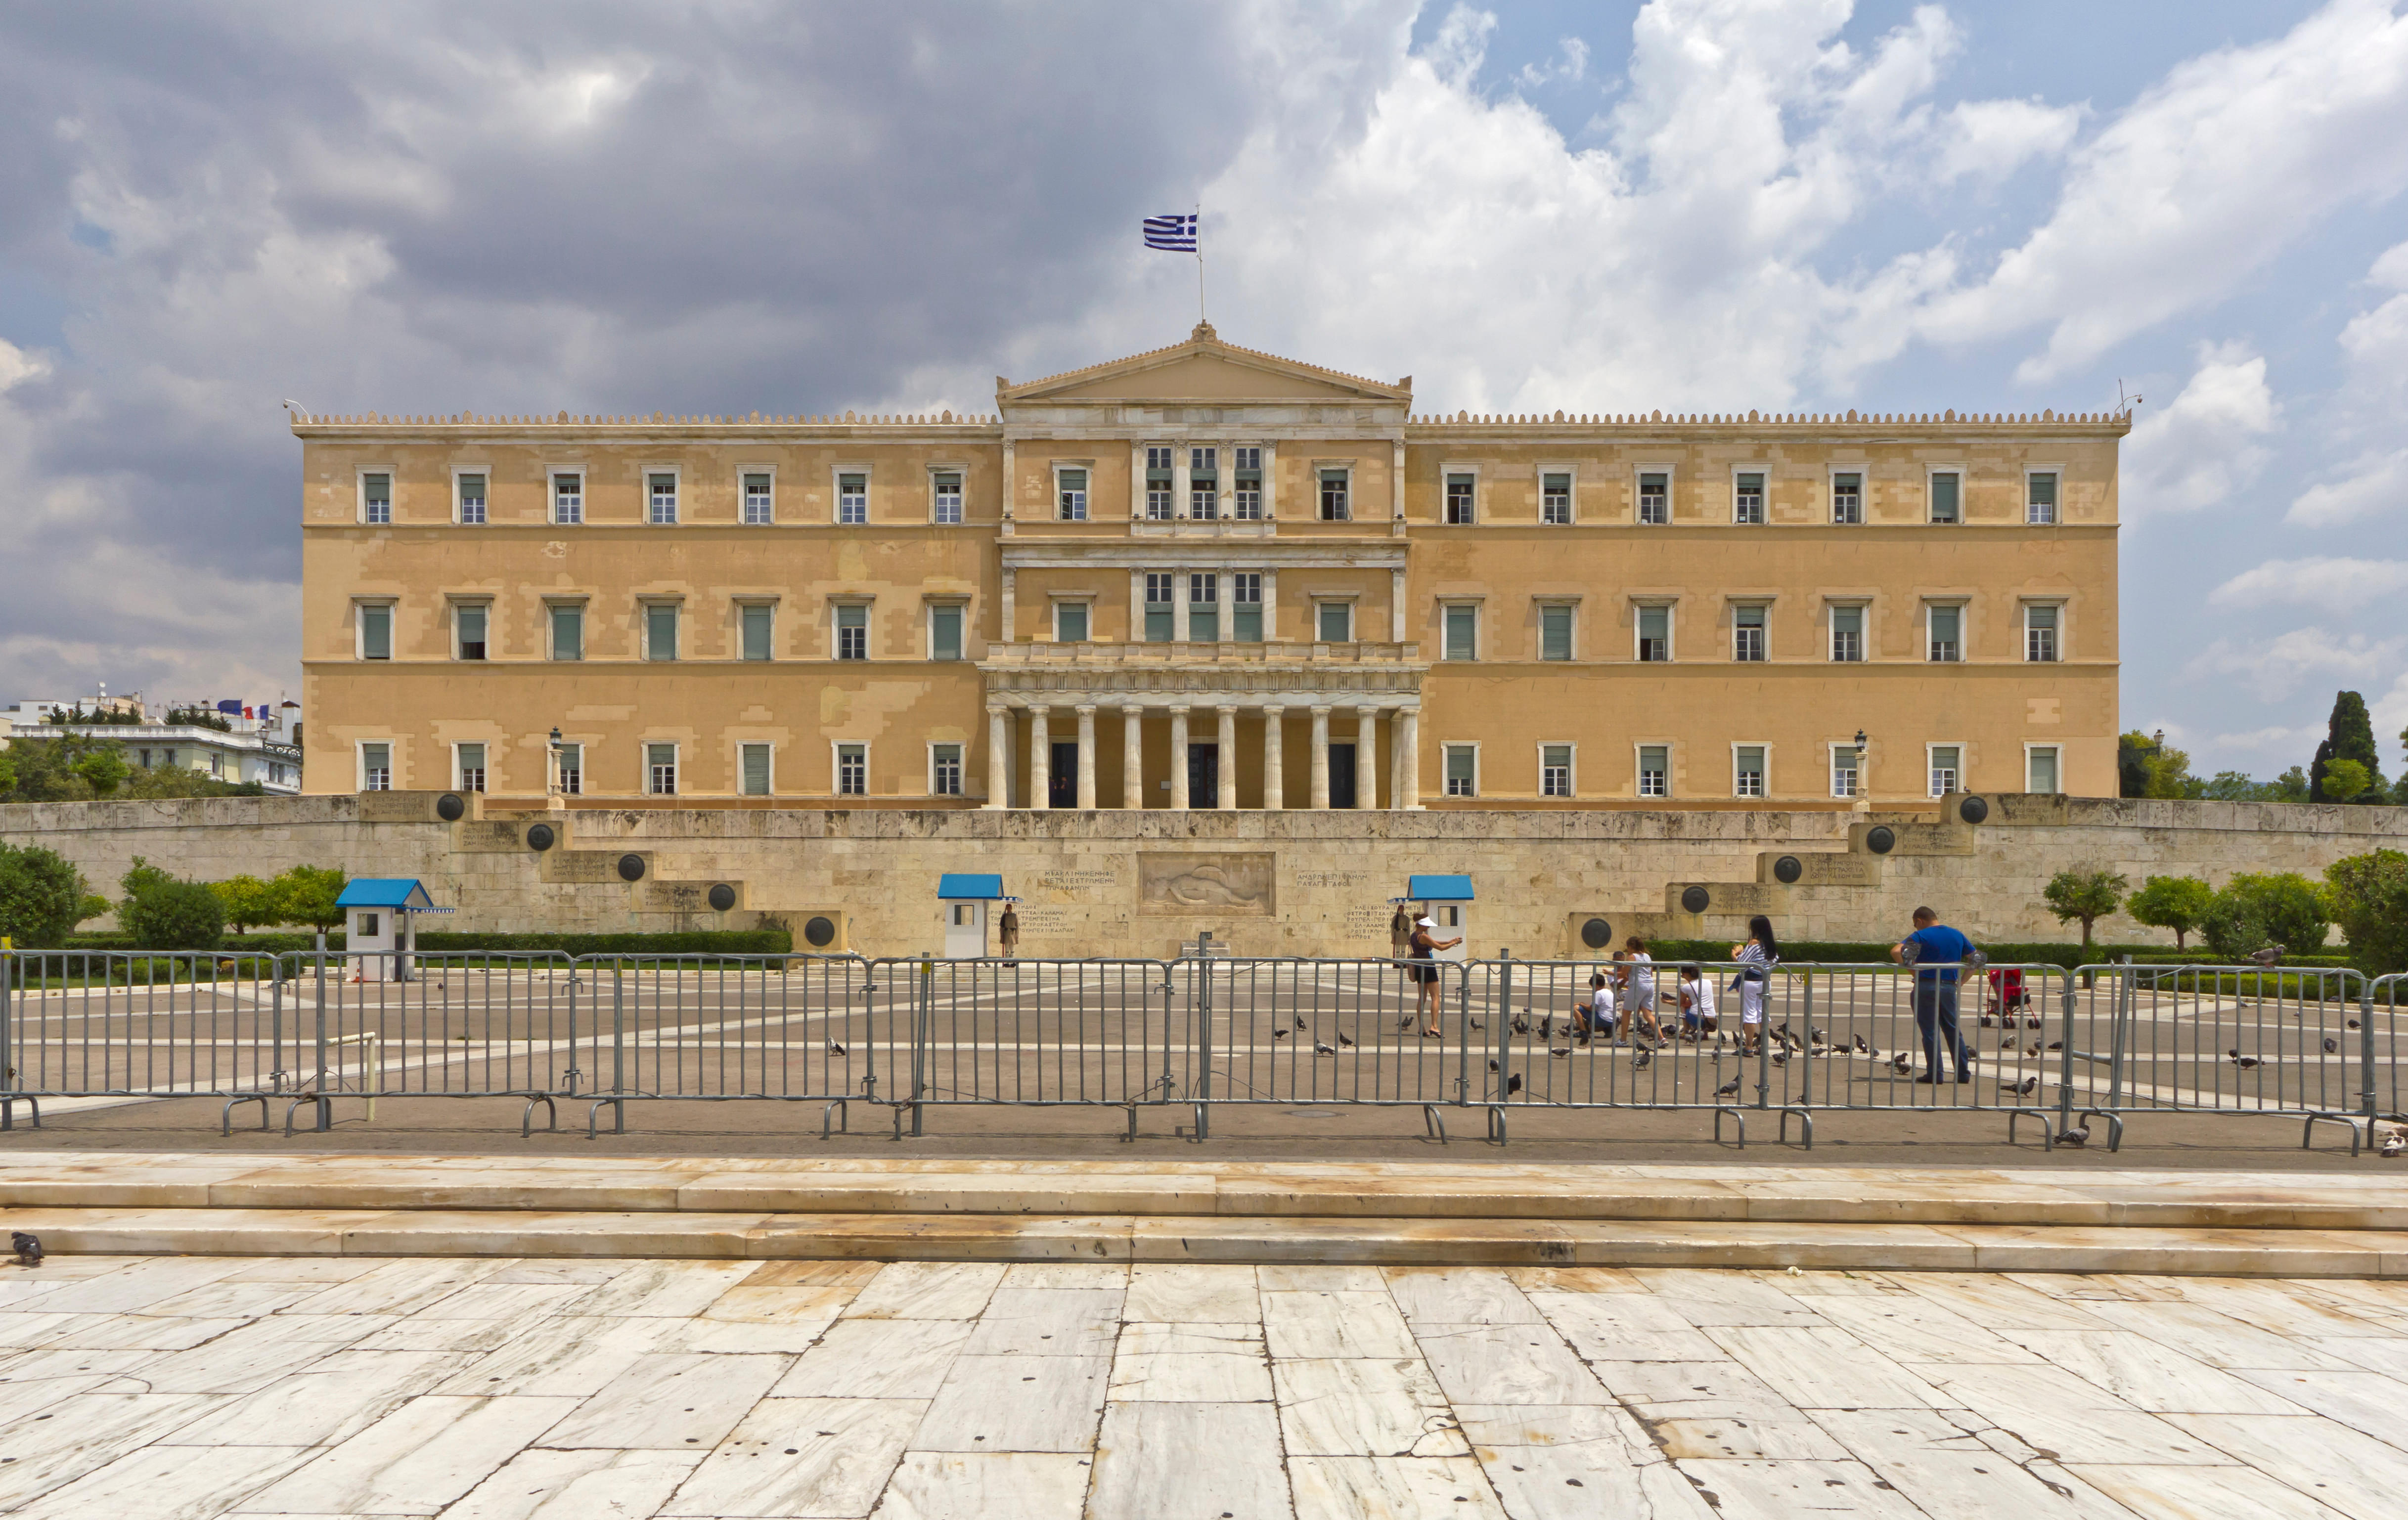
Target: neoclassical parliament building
[1208,577]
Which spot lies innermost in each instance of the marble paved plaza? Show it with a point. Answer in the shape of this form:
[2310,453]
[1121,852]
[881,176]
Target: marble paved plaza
[193,1386]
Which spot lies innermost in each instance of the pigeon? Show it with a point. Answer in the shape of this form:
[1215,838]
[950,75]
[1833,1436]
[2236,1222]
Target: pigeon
[1903,1061]
[2076,1137]
[1299,1021]
[1279,1034]
[2267,956]
[1405,1022]
[1521,1025]
[2332,1046]
[1343,1039]
[1640,1064]
[2007,1044]
[2057,1044]
[2033,1049]
[1513,1084]
[1320,1050]
[1727,1089]
[1560,1051]
[2232,1055]
[2025,1089]
[28,1248]
[835,1049]
[1817,1036]
[1781,1061]
[2248,1061]
[1862,1048]
[1477,1025]
[1546,1026]
[2352,1024]
[1492,1066]
[2392,1145]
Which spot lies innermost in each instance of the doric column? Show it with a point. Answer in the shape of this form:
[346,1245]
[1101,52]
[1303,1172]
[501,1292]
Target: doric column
[1179,760]
[1087,755]
[1132,758]
[999,756]
[1040,760]
[1321,756]
[1409,744]
[1274,760]
[1367,757]
[1225,763]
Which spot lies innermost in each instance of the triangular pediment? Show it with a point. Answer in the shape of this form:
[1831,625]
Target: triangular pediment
[1202,369]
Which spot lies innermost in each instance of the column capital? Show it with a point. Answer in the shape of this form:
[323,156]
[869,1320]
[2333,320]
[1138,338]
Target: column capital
[1179,709]
[1228,708]
[1320,709]
[996,709]
[1084,709]
[1368,711]
[1039,709]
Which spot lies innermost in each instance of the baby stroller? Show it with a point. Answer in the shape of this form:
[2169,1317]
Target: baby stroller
[2006,993]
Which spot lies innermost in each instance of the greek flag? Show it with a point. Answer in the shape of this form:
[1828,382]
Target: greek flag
[1174,233]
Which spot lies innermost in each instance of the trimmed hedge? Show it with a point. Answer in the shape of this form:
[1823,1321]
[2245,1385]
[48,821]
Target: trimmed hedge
[2002,954]
[733,941]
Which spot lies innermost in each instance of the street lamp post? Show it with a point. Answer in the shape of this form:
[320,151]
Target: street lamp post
[551,769]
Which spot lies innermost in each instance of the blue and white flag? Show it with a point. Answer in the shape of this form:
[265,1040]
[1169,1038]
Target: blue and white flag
[1174,233]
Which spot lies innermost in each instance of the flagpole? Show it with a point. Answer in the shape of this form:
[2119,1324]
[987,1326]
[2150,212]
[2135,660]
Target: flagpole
[1200,261]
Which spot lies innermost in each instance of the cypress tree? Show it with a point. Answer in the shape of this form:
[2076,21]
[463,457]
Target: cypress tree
[2349,734]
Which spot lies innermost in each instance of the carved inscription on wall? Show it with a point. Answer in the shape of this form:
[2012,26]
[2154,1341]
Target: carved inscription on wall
[1078,881]
[1197,885]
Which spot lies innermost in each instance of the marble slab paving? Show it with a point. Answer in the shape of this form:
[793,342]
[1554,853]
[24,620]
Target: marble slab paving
[546,1388]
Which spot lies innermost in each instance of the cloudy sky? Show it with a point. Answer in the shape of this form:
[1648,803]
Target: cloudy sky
[1710,204]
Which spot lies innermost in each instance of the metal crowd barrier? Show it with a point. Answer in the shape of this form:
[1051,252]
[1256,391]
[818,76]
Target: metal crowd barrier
[2058,1047]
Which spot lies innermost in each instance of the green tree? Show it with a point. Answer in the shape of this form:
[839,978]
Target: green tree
[249,903]
[2292,785]
[2146,767]
[2089,895]
[2255,910]
[103,769]
[40,895]
[2175,903]
[166,781]
[2349,735]
[162,913]
[2369,894]
[94,906]
[7,772]
[2347,780]
[309,894]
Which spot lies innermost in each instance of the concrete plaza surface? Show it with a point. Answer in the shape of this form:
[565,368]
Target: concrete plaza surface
[479,1389]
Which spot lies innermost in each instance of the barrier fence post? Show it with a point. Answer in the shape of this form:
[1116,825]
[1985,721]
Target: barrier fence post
[1504,1017]
[1203,1004]
[276,1029]
[326,1104]
[923,1032]
[569,1078]
[8,1024]
[1462,1030]
[2366,1051]
[2065,1066]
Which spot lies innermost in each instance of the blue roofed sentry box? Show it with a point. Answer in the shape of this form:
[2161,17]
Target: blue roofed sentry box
[959,885]
[390,892]
[1440,888]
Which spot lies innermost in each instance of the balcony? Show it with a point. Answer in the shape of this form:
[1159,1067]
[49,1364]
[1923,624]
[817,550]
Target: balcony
[1184,652]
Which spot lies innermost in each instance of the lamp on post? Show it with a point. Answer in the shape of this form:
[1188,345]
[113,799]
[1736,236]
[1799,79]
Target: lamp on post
[1862,771]
[552,768]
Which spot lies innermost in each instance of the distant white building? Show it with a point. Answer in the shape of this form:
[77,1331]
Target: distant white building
[259,743]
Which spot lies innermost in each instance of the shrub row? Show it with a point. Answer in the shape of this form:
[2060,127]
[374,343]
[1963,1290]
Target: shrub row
[698,941]
[2005,954]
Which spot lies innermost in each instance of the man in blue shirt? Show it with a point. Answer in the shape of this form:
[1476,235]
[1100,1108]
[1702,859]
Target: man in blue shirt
[1937,951]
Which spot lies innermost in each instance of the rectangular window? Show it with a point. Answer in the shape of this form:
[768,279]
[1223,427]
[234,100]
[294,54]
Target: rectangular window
[1204,608]
[1333,496]
[1945,768]
[1654,633]
[1655,770]
[1160,615]
[1159,485]
[2040,498]
[1948,628]
[759,506]
[1848,498]
[944,632]
[1335,621]
[1747,769]
[1248,502]
[1462,771]
[471,762]
[2039,634]
[852,770]
[568,632]
[1946,486]
[852,631]
[947,484]
[376,632]
[567,499]
[1655,497]
[1246,603]
[1747,634]
[1555,632]
[1554,770]
[472,498]
[660,769]
[1556,499]
[470,622]
[2040,769]
[376,498]
[1845,761]
[1458,499]
[660,631]
[1747,499]
[1847,633]
[1070,622]
[1070,487]
[572,770]
[945,770]
[753,764]
[1203,484]
[376,767]
[852,498]
[756,620]
[661,492]
[1462,633]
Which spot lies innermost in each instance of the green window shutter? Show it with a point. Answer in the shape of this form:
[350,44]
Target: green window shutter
[1462,633]
[1555,632]
[376,632]
[944,632]
[1944,498]
[660,633]
[756,770]
[756,632]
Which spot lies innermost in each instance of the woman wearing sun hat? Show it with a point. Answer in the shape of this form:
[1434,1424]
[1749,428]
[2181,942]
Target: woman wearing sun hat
[1422,966]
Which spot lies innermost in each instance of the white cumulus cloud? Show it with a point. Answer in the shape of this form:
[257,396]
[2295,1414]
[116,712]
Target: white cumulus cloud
[2207,445]
[2340,584]
[2275,668]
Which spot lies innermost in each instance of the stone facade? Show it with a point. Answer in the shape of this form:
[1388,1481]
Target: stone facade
[1304,883]
[1209,578]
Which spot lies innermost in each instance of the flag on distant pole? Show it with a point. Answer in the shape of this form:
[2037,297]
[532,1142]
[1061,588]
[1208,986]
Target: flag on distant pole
[1176,233]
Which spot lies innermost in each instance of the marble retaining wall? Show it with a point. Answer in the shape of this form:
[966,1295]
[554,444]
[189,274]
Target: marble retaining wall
[1114,883]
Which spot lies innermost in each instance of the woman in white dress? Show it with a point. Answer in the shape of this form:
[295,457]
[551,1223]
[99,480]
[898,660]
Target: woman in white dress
[1759,956]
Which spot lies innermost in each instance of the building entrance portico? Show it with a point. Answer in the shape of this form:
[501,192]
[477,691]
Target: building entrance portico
[1206,726]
